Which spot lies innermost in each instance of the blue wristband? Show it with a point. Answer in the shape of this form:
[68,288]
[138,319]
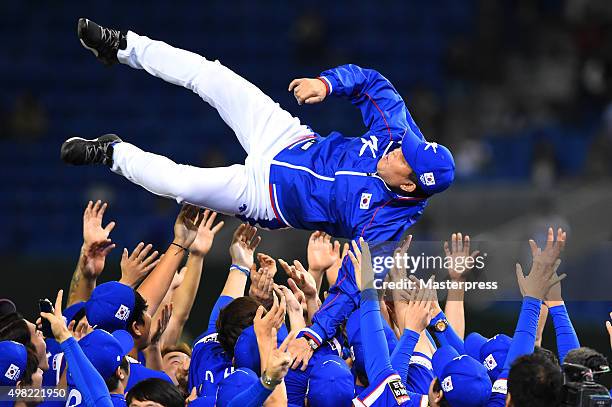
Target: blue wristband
[245,270]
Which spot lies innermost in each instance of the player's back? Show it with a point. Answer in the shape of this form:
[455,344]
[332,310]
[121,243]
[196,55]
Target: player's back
[330,184]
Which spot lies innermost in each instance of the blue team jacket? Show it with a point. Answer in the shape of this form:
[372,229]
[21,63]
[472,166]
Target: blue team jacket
[330,183]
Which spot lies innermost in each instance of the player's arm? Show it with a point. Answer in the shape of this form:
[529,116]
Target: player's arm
[382,107]
[156,285]
[86,378]
[96,246]
[184,296]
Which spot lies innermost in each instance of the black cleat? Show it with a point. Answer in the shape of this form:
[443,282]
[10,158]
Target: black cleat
[103,42]
[80,151]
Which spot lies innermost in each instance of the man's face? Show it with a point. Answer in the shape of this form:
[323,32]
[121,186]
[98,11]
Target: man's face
[174,364]
[394,170]
[40,346]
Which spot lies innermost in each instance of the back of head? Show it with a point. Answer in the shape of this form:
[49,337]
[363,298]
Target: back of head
[235,383]
[589,358]
[14,328]
[233,319]
[158,391]
[330,383]
[534,381]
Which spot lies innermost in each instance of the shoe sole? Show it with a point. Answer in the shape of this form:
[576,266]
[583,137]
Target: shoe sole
[84,28]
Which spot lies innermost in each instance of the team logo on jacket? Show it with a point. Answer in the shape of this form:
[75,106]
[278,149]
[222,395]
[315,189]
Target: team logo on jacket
[372,144]
[123,313]
[428,179]
[364,203]
[13,372]
[399,391]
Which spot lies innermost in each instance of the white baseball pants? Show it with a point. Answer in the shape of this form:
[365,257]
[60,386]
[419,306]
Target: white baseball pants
[262,127]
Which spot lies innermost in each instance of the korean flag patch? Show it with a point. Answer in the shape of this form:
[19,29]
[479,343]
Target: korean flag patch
[447,384]
[490,363]
[428,179]
[399,391]
[123,313]
[364,202]
[12,373]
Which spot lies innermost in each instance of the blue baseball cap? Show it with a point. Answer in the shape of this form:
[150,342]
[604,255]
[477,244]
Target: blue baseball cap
[490,352]
[72,310]
[353,333]
[105,351]
[13,362]
[432,163]
[246,351]
[464,380]
[236,383]
[110,306]
[330,383]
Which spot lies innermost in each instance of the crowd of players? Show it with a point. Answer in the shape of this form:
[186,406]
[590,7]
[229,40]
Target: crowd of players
[119,343]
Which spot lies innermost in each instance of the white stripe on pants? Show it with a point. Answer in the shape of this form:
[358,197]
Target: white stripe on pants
[261,126]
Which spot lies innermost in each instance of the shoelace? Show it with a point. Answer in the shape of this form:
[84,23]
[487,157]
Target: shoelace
[110,38]
[94,152]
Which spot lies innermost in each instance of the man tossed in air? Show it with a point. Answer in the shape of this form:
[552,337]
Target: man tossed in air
[375,186]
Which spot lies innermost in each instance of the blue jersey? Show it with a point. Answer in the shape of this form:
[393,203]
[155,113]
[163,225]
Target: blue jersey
[330,183]
[118,400]
[57,364]
[209,365]
[388,392]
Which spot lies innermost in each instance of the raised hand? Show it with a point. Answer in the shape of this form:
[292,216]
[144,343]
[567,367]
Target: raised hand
[262,283]
[362,263]
[418,313]
[136,266]
[543,276]
[96,243]
[458,251]
[274,318]
[159,327]
[267,263]
[322,253]
[293,305]
[279,359]
[304,280]
[244,243]
[186,226]
[307,90]
[206,234]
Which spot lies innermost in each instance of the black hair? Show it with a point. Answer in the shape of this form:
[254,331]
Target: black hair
[113,382]
[157,390]
[436,389]
[137,315]
[535,381]
[589,358]
[13,327]
[31,368]
[233,319]
[418,190]
[546,354]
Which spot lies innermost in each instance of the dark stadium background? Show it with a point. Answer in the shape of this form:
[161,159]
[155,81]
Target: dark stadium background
[520,91]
